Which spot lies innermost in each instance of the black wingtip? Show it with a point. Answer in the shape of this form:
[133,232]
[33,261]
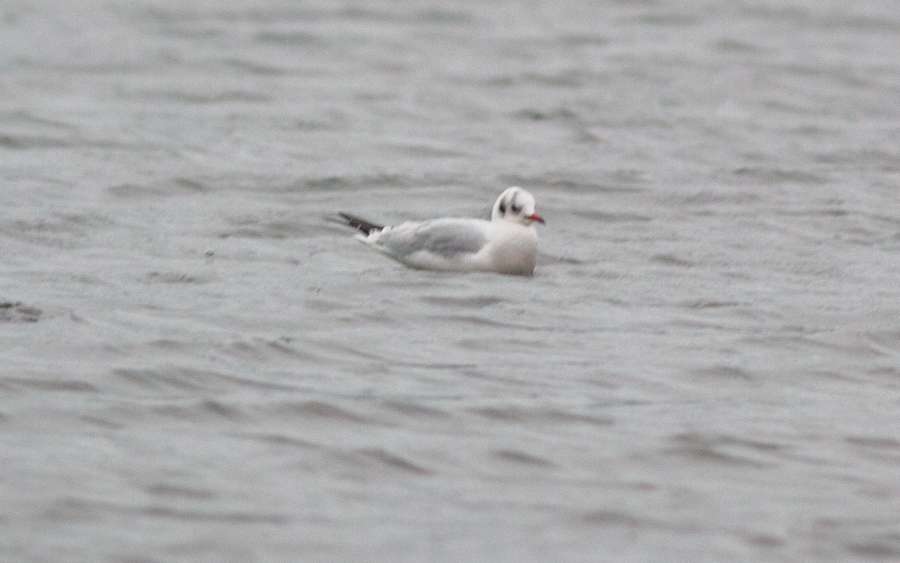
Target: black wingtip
[359,223]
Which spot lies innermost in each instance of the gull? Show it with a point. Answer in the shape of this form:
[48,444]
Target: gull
[507,244]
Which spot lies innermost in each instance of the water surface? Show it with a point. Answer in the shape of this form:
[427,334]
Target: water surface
[194,365]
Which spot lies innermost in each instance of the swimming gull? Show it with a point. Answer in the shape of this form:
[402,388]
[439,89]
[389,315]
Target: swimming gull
[506,244]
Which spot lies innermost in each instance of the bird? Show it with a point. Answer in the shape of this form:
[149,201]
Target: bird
[507,244]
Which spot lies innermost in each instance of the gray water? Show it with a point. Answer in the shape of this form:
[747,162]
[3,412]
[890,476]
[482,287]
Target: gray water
[196,366]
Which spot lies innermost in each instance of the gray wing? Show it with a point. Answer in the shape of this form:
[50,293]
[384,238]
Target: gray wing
[447,238]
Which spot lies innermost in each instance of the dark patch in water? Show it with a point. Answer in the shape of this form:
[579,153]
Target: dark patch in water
[23,142]
[764,540]
[726,372]
[280,440]
[465,302]
[394,461]
[880,442]
[443,16]
[522,458]
[519,414]
[729,45]
[191,185]
[232,517]
[178,491]
[886,546]
[727,450]
[321,410]
[48,384]
[203,98]
[15,312]
[614,518]
[171,277]
[775,175]
[672,260]
[551,115]
[416,411]
[221,409]
[330,183]
[295,38]
[709,304]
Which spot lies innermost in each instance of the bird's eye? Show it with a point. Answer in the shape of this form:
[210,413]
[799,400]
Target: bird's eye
[502,208]
[516,208]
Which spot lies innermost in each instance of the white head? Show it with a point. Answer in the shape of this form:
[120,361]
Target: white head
[516,205]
